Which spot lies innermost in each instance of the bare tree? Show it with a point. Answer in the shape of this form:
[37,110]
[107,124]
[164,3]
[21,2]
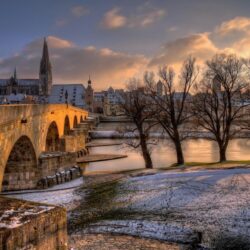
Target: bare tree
[137,107]
[171,106]
[220,102]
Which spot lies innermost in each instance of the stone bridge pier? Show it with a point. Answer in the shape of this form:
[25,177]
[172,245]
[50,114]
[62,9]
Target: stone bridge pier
[39,142]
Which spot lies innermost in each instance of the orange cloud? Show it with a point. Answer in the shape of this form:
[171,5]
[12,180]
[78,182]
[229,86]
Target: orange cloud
[197,45]
[113,19]
[72,63]
[142,17]
[236,24]
[147,18]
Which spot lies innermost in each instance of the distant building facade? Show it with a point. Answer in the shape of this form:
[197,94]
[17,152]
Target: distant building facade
[74,94]
[109,102]
[33,87]
[99,101]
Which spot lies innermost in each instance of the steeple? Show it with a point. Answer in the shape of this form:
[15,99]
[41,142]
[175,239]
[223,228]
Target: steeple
[14,75]
[45,73]
[45,63]
[89,81]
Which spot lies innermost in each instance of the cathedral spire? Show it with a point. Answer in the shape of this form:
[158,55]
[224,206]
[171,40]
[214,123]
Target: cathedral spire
[45,71]
[45,62]
[15,75]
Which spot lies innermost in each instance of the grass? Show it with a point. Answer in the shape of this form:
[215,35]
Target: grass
[216,163]
[209,165]
[99,204]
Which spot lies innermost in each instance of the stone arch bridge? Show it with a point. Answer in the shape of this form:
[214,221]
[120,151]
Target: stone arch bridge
[37,141]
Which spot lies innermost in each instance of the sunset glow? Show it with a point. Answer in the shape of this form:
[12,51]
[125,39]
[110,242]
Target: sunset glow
[114,41]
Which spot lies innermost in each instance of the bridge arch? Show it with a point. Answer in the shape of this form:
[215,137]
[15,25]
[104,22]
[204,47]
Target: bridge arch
[52,138]
[81,119]
[75,122]
[66,125]
[21,167]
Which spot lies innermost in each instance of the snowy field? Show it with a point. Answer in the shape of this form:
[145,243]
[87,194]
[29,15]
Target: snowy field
[172,206]
[164,205]
[204,201]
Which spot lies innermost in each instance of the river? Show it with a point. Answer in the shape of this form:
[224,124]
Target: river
[163,154]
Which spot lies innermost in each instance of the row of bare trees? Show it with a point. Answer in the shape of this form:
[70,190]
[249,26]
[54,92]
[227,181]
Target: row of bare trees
[215,101]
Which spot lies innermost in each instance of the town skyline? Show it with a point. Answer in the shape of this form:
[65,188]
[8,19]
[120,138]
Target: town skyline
[116,41]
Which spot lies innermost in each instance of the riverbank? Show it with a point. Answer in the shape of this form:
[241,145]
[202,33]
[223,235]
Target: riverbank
[99,157]
[194,166]
[116,134]
[91,144]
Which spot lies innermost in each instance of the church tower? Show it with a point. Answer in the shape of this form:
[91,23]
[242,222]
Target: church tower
[45,74]
[89,97]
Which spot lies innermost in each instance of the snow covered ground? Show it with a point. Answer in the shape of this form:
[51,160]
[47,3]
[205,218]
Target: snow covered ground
[205,201]
[156,205]
[168,205]
[60,195]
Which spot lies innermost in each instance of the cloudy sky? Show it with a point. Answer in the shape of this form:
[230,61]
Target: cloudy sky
[114,40]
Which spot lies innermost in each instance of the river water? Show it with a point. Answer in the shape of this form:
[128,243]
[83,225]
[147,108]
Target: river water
[163,154]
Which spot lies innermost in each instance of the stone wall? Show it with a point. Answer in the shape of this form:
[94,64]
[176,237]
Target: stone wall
[73,143]
[20,180]
[56,168]
[27,225]
[51,163]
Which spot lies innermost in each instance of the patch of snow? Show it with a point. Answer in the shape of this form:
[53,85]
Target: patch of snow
[144,228]
[15,217]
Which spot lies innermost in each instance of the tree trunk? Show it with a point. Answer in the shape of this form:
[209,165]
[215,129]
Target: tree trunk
[145,152]
[179,153]
[178,148]
[222,153]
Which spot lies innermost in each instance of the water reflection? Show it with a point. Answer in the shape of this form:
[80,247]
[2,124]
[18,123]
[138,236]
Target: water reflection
[195,150]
